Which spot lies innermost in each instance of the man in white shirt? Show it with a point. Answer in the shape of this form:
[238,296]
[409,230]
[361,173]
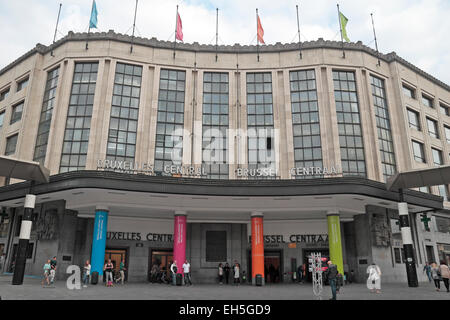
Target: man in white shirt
[187,272]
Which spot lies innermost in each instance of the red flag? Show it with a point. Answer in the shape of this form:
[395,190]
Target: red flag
[260,32]
[179,34]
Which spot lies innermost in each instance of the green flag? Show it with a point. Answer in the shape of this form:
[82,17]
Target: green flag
[344,21]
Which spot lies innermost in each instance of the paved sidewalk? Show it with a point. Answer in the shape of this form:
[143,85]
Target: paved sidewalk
[32,290]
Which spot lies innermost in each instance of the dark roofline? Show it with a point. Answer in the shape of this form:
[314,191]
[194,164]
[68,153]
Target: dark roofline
[236,48]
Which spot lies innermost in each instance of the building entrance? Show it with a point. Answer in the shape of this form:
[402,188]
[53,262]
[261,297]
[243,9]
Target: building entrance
[273,266]
[117,256]
[163,259]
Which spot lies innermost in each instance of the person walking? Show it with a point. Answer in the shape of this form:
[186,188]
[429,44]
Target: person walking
[331,274]
[122,271]
[187,273]
[435,274]
[445,274]
[86,273]
[236,274]
[53,264]
[374,279]
[108,268]
[226,270]
[427,269]
[220,273]
[47,268]
[173,270]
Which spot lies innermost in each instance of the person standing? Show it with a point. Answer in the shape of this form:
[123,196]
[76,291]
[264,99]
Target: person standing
[53,264]
[300,273]
[2,261]
[435,274]
[236,274]
[427,269]
[122,271]
[187,273]
[226,270]
[47,268]
[220,273]
[445,274]
[108,268]
[86,273]
[173,270]
[331,274]
[374,279]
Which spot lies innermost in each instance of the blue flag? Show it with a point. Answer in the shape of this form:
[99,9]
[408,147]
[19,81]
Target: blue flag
[93,21]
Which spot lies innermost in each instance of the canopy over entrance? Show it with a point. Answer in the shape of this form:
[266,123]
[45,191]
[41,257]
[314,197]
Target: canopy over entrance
[419,178]
[24,170]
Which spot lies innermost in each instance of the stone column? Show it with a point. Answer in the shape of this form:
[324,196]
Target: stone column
[257,246]
[179,239]
[334,240]
[99,239]
[24,239]
[405,229]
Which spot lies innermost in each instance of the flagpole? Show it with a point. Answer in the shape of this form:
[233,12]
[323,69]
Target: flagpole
[340,25]
[56,28]
[175,43]
[217,30]
[376,41]
[89,30]
[299,39]
[134,27]
[257,39]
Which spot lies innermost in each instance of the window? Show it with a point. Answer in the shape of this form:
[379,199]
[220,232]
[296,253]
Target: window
[11,143]
[260,122]
[215,125]
[397,255]
[437,157]
[46,116]
[443,192]
[2,118]
[425,189]
[78,123]
[305,120]
[414,119]
[349,124]
[447,133]
[22,84]
[442,224]
[16,114]
[419,154]
[124,113]
[409,92]
[383,127]
[433,128]
[427,101]
[170,121]
[4,94]
[444,109]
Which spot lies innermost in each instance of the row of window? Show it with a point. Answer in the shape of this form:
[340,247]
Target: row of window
[432,125]
[22,84]
[427,100]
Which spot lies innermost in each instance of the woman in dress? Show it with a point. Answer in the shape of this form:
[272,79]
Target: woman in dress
[374,279]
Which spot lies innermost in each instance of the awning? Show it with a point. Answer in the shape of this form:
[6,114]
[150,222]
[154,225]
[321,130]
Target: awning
[24,170]
[419,178]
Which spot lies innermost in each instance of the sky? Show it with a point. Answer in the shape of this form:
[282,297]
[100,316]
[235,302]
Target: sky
[417,30]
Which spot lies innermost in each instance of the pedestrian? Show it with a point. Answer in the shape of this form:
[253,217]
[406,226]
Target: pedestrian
[53,263]
[374,279]
[445,274]
[86,273]
[236,274]
[174,269]
[122,271]
[436,275]
[220,273]
[226,270]
[427,269]
[47,268]
[351,276]
[108,268]
[331,274]
[187,273]
[2,261]
[154,273]
[300,273]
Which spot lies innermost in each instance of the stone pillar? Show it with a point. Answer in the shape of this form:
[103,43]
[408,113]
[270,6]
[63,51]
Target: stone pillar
[334,240]
[99,239]
[257,246]
[411,272]
[179,239]
[24,239]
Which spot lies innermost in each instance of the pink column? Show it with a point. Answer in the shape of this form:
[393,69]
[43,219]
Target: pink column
[179,240]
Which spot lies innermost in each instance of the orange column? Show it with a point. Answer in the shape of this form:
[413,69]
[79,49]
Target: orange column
[257,246]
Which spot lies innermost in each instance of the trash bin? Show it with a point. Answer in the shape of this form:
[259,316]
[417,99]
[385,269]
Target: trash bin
[179,279]
[94,277]
[258,280]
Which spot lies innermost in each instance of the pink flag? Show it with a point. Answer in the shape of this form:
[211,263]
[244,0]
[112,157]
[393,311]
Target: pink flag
[179,35]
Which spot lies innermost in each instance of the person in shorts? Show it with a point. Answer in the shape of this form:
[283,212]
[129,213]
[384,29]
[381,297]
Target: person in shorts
[47,268]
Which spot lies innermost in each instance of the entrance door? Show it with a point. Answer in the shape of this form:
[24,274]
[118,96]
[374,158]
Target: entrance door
[116,256]
[273,266]
[163,258]
[325,253]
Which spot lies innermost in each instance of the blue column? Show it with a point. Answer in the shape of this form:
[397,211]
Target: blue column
[99,240]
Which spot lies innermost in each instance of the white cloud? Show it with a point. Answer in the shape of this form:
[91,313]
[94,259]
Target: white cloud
[416,30]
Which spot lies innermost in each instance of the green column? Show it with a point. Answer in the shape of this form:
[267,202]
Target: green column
[334,241]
